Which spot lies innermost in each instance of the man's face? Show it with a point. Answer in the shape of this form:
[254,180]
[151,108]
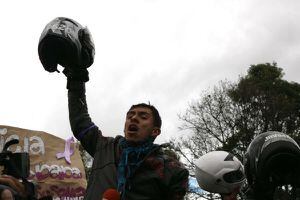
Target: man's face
[139,124]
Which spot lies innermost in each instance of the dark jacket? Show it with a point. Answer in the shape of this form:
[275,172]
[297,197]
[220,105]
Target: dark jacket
[159,176]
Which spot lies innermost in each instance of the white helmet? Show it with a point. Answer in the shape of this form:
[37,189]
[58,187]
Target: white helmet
[219,172]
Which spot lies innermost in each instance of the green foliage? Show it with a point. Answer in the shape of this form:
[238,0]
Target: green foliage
[271,102]
[232,114]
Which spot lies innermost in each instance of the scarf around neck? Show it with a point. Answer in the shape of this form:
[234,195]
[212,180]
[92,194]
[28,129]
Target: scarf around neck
[132,156]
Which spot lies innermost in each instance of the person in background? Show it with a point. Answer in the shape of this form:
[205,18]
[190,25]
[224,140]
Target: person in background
[11,187]
[6,194]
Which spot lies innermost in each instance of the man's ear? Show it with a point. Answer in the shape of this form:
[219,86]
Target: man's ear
[155,132]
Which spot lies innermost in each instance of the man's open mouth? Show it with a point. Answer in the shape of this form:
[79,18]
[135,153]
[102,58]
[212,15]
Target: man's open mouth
[133,128]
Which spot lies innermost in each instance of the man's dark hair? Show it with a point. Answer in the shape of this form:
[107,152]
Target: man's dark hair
[156,117]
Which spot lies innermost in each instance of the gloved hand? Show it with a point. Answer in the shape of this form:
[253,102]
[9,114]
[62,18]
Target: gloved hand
[76,74]
[66,42]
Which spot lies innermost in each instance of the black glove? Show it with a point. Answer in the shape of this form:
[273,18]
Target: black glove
[66,42]
[76,74]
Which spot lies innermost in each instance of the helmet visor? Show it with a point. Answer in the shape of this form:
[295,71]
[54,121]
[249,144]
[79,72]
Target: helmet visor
[234,176]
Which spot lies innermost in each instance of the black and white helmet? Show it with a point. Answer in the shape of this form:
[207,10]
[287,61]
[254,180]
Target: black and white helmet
[219,172]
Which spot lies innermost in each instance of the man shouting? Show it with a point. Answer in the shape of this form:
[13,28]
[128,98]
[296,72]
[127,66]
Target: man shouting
[132,164]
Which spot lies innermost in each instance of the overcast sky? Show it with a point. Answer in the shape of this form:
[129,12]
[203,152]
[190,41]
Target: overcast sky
[163,51]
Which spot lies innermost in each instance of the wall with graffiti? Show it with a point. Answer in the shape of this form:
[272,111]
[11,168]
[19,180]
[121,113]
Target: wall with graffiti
[55,164]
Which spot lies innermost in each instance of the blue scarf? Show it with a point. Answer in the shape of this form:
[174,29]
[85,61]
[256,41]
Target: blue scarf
[132,156]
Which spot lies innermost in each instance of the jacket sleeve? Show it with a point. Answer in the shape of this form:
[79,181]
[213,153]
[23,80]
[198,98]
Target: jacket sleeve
[179,181]
[81,124]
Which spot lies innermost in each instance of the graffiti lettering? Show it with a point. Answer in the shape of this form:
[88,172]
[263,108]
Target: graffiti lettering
[62,193]
[67,191]
[55,172]
[33,145]
[68,198]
